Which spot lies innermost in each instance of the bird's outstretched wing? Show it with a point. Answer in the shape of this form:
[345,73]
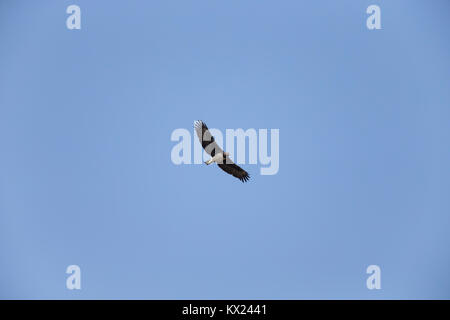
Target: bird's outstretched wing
[206,139]
[231,168]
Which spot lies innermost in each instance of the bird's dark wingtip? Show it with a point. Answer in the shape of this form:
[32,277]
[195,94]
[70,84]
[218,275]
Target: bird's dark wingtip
[245,178]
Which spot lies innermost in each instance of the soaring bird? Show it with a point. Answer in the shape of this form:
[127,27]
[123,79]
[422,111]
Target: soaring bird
[217,154]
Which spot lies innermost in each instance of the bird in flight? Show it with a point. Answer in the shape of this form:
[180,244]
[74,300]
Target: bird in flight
[217,154]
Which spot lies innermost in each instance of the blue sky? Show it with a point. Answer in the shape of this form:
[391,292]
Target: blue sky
[86,176]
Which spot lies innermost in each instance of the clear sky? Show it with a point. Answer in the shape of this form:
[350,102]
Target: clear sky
[86,176]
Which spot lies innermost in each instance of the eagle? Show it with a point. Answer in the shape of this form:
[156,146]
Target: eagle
[217,154]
